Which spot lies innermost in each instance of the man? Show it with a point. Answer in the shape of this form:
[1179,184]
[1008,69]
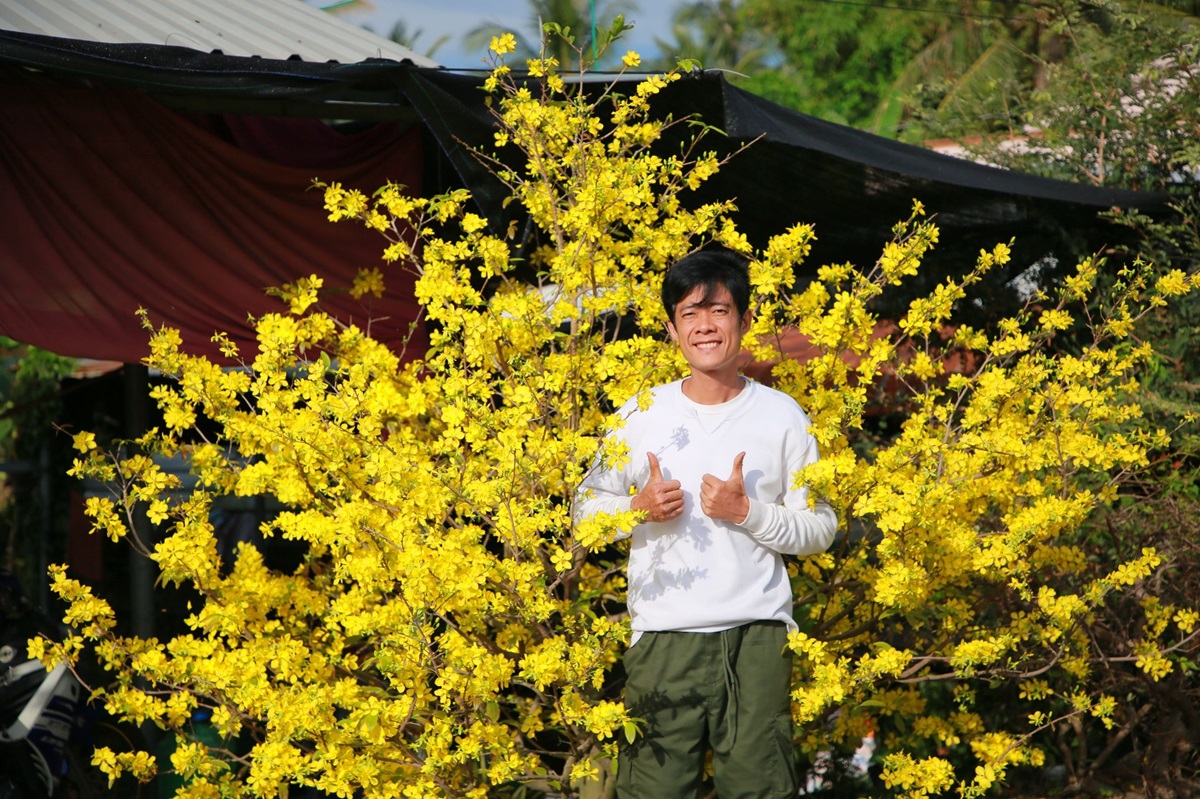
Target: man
[713,461]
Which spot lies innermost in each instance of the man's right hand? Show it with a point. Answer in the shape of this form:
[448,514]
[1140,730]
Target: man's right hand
[662,500]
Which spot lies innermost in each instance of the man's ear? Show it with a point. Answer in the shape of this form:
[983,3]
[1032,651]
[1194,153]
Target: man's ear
[671,330]
[747,318]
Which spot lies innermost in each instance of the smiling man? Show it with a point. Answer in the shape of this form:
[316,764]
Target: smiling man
[712,469]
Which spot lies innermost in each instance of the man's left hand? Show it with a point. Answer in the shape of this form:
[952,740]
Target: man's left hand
[726,500]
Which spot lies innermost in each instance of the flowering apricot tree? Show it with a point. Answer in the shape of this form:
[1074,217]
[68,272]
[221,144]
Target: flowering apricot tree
[451,633]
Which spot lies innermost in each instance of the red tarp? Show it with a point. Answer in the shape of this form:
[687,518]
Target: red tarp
[110,202]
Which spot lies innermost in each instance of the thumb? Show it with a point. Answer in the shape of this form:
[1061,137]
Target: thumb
[736,475]
[655,469]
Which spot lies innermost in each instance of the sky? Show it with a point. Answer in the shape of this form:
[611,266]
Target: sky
[455,17]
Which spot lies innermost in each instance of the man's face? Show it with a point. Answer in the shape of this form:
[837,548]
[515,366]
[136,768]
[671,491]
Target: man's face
[709,334]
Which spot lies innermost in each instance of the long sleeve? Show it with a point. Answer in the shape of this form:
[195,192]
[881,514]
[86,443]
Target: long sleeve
[602,491]
[791,531]
[791,527]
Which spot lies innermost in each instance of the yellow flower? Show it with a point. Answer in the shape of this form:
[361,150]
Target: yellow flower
[1172,284]
[503,44]
[368,281]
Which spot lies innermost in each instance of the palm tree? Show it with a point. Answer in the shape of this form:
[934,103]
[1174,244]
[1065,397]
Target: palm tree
[868,64]
[715,33]
[995,52]
[575,15]
[400,35]
[835,59]
[973,54]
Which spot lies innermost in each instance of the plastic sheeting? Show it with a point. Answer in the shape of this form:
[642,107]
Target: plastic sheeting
[112,203]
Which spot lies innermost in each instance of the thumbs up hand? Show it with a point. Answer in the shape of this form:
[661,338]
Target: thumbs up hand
[726,500]
[661,499]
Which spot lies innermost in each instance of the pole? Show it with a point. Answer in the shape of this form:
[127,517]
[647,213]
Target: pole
[141,568]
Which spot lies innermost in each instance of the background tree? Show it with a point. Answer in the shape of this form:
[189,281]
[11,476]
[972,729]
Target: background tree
[975,46]
[401,35]
[836,61]
[857,63]
[862,64]
[718,34]
[884,67]
[1116,108]
[30,402]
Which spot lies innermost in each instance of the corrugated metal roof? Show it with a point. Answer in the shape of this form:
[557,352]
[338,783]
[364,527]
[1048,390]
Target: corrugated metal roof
[278,29]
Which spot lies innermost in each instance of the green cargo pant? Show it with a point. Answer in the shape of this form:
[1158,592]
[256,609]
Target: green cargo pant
[693,692]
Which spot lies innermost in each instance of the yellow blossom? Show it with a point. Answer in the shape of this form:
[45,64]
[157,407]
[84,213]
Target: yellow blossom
[503,44]
[443,626]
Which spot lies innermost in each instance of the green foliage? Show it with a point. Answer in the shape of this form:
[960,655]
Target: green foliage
[837,62]
[30,381]
[1119,105]
[919,70]
[718,34]
[865,65]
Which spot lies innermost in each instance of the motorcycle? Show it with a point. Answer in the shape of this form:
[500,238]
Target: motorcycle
[40,710]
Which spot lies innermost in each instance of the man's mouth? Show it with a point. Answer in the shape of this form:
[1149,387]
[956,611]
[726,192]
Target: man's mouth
[707,345]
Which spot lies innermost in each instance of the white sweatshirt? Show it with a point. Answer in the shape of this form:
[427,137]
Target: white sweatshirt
[693,573]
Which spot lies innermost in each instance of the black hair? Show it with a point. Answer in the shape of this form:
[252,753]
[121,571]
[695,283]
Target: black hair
[713,270]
